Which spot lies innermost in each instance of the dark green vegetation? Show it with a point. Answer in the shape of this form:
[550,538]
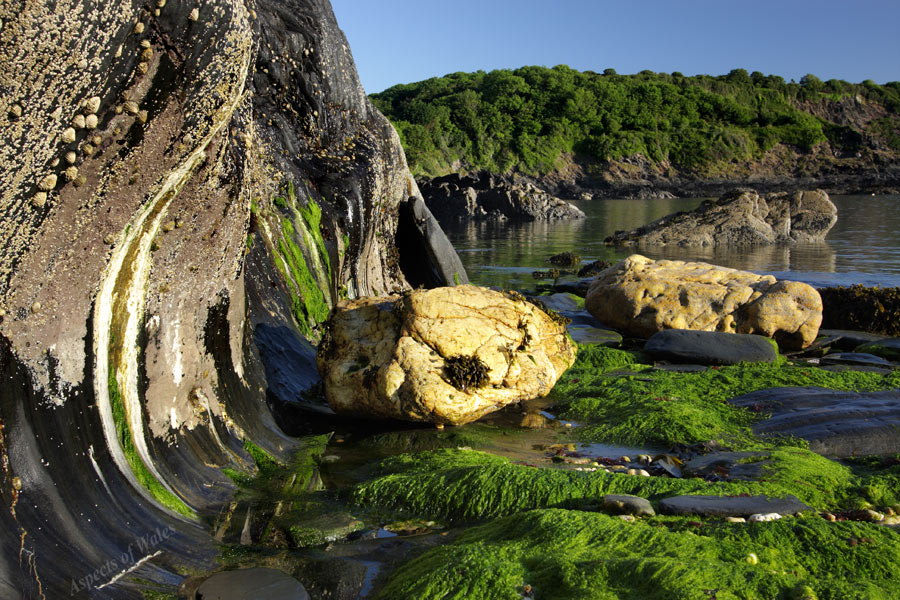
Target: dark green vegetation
[652,407]
[530,118]
[465,372]
[564,554]
[872,309]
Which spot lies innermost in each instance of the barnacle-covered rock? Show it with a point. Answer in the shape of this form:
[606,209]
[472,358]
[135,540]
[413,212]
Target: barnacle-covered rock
[446,355]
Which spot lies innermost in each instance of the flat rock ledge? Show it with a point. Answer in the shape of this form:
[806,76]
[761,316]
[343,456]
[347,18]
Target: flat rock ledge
[709,347]
[740,218]
[835,423]
[731,506]
[445,355]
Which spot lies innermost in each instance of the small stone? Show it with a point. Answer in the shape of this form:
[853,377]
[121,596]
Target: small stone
[139,28]
[78,122]
[47,183]
[15,111]
[763,517]
[90,122]
[36,307]
[632,471]
[147,54]
[625,459]
[2,313]
[874,516]
[92,105]
[195,14]
[751,559]
[735,520]
[643,473]
[644,459]
[131,107]
[828,516]
[39,199]
[68,136]
[628,518]
[71,157]
[87,149]
[71,173]
[160,3]
[156,12]
[630,505]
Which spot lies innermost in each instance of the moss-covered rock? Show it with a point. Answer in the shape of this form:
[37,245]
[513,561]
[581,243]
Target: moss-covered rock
[872,309]
[564,554]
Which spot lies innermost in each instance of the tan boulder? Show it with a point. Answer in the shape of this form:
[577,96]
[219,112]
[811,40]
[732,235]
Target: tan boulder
[446,355]
[641,296]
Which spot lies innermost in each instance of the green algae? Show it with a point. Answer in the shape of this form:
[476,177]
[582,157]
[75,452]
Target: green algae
[656,407]
[303,260]
[565,554]
[141,472]
[274,480]
[466,485]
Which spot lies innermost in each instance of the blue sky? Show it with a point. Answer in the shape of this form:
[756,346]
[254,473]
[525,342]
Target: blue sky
[401,41]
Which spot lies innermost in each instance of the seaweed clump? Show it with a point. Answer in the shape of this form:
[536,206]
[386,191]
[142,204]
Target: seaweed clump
[565,259]
[466,372]
[871,309]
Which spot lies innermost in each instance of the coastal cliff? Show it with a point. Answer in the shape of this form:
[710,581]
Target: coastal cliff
[187,189]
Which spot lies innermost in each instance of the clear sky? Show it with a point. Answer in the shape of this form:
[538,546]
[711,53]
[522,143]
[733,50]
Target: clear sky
[401,41]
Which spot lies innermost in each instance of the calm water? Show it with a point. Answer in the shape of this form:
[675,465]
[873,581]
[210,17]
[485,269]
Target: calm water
[863,247]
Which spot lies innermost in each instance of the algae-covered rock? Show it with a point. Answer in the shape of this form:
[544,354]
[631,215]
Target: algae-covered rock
[856,307]
[887,348]
[447,355]
[641,296]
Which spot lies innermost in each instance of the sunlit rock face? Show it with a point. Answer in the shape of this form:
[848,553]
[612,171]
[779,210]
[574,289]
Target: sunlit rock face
[446,355]
[641,296]
[185,190]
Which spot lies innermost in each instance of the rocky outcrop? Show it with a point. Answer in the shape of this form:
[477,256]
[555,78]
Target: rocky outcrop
[641,296]
[185,190]
[740,218]
[487,196]
[447,355]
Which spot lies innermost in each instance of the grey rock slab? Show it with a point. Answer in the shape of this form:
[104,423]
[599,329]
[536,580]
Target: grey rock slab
[886,348]
[251,584]
[731,506]
[628,505]
[746,466]
[846,339]
[836,423]
[709,347]
[855,358]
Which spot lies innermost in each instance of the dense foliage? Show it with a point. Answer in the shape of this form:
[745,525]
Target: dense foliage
[530,118]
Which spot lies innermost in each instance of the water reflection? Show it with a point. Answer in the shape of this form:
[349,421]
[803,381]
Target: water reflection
[863,247]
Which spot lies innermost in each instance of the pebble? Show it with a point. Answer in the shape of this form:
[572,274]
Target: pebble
[735,520]
[629,518]
[36,307]
[873,516]
[645,459]
[330,458]
[625,459]
[762,517]
[828,516]
[752,559]
[139,28]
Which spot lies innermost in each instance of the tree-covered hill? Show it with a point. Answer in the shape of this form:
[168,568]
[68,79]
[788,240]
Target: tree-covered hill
[533,120]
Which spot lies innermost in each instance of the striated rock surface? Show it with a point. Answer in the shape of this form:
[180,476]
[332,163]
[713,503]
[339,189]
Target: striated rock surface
[186,188]
[487,196]
[641,296]
[446,355]
[740,218]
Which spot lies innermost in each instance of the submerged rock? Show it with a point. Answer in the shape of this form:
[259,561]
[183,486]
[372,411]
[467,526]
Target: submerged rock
[836,423]
[641,296]
[709,347]
[447,355]
[249,584]
[488,196]
[742,217]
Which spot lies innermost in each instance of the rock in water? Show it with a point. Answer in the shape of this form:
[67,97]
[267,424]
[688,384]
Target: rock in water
[742,217]
[447,355]
[641,296]
[492,197]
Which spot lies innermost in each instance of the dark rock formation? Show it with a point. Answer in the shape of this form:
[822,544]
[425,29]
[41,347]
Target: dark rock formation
[709,347]
[185,191]
[740,218]
[488,196]
[835,423]
[860,308]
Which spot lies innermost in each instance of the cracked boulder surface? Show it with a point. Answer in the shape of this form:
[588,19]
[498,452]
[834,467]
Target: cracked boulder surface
[448,355]
[641,296]
[152,247]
